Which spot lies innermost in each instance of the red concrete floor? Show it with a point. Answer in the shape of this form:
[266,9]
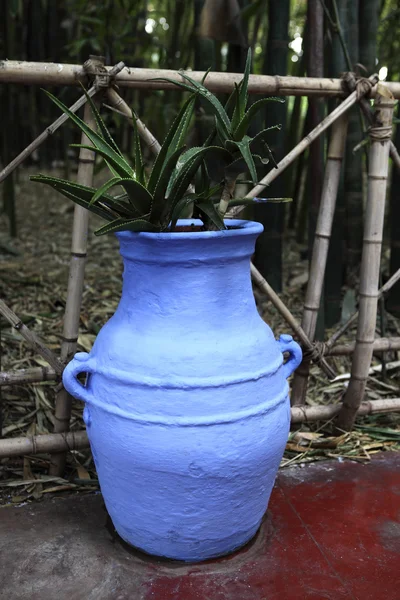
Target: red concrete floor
[332,532]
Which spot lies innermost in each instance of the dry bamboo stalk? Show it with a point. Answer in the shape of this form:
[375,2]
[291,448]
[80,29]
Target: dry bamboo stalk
[302,145]
[121,106]
[320,250]
[305,414]
[385,288]
[43,444]
[379,345]
[290,319]
[31,338]
[33,375]
[36,73]
[370,265]
[77,440]
[8,169]
[74,291]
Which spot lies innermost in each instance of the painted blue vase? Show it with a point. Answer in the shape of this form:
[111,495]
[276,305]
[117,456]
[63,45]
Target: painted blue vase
[186,403]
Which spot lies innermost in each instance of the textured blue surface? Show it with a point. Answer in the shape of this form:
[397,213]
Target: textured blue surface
[187,407]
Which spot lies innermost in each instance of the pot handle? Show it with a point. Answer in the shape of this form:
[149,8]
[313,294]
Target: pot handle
[287,344]
[79,364]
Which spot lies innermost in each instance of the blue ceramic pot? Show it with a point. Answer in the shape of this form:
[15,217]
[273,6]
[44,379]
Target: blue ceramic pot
[186,404]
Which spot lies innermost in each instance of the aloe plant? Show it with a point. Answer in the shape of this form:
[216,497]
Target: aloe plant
[156,202]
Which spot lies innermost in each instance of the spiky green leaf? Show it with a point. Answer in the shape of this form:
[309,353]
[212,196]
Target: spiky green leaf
[77,193]
[119,167]
[241,129]
[212,101]
[137,153]
[108,153]
[101,124]
[173,141]
[127,225]
[139,197]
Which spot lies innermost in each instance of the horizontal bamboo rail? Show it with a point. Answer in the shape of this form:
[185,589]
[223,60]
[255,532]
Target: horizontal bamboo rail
[35,73]
[308,414]
[379,345]
[40,374]
[43,444]
[78,440]
[23,376]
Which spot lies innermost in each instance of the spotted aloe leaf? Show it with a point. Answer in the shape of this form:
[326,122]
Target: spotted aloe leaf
[137,153]
[101,126]
[241,129]
[109,154]
[80,194]
[213,102]
[174,140]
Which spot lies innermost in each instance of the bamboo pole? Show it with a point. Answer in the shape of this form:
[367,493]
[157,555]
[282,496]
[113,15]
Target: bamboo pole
[320,250]
[31,338]
[74,291]
[43,444]
[385,288]
[291,320]
[36,73]
[370,265]
[305,142]
[308,414]
[8,169]
[379,345]
[33,375]
[77,440]
[29,375]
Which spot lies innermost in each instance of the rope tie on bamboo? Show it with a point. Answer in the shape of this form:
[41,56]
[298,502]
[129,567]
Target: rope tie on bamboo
[380,133]
[316,353]
[363,85]
[94,67]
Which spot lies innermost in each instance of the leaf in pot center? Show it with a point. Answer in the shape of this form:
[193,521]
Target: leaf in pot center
[208,208]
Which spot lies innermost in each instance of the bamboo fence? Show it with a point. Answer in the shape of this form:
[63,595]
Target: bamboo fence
[57,74]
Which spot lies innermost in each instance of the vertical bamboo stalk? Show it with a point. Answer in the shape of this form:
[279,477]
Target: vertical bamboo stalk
[74,292]
[320,249]
[370,264]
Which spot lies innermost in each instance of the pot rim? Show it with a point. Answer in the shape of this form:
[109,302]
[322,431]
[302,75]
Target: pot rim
[240,227]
